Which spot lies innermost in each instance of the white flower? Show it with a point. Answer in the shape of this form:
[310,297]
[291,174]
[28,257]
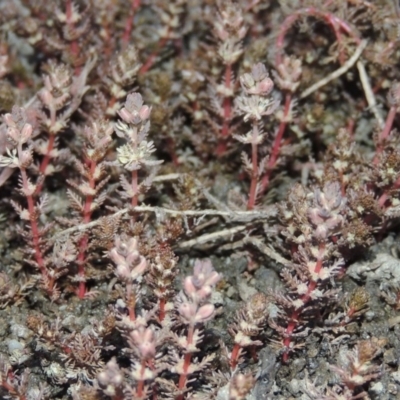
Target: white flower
[10,161]
[254,107]
[133,158]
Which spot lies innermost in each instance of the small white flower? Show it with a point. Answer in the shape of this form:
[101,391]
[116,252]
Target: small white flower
[132,159]
[11,160]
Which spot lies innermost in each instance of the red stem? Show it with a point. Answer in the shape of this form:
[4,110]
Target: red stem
[334,21]
[74,47]
[277,143]
[305,298]
[227,109]
[385,132]
[131,309]
[35,230]
[140,385]
[83,244]
[134,185]
[186,363]
[235,356]
[385,195]
[162,312]
[254,173]
[152,57]
[129,23]
[12,390]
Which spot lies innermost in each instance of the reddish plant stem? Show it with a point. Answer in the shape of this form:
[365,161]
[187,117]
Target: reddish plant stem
[151,365]
[277,144]
[50,146]
[335,22]
[305,298]
[107,40]
[83,244]
[112,102]
[162,312]
[132,314]
[254,173]
[129,23]
[74,46]
[382,200]
[186,363]
[131,301]
[227,112]
[36,237]
[35,231]
[385,132]
[10,388]
[350,127]
[235,356]
[382,137]
[34,226]
[152,57]
[135,186]
[349,316]
[140,385]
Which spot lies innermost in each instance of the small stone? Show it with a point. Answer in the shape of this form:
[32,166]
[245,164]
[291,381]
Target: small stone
[396,376]
[392,388]
[20,331]
[14,345]
[390,357]
[369,315]
[377,388]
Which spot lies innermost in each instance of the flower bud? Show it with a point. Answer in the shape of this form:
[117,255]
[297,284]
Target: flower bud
[122,271]
[144,340]
[144,112]
[187,311]
[139,269]
[26,133]
[125,114]
[205,313]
